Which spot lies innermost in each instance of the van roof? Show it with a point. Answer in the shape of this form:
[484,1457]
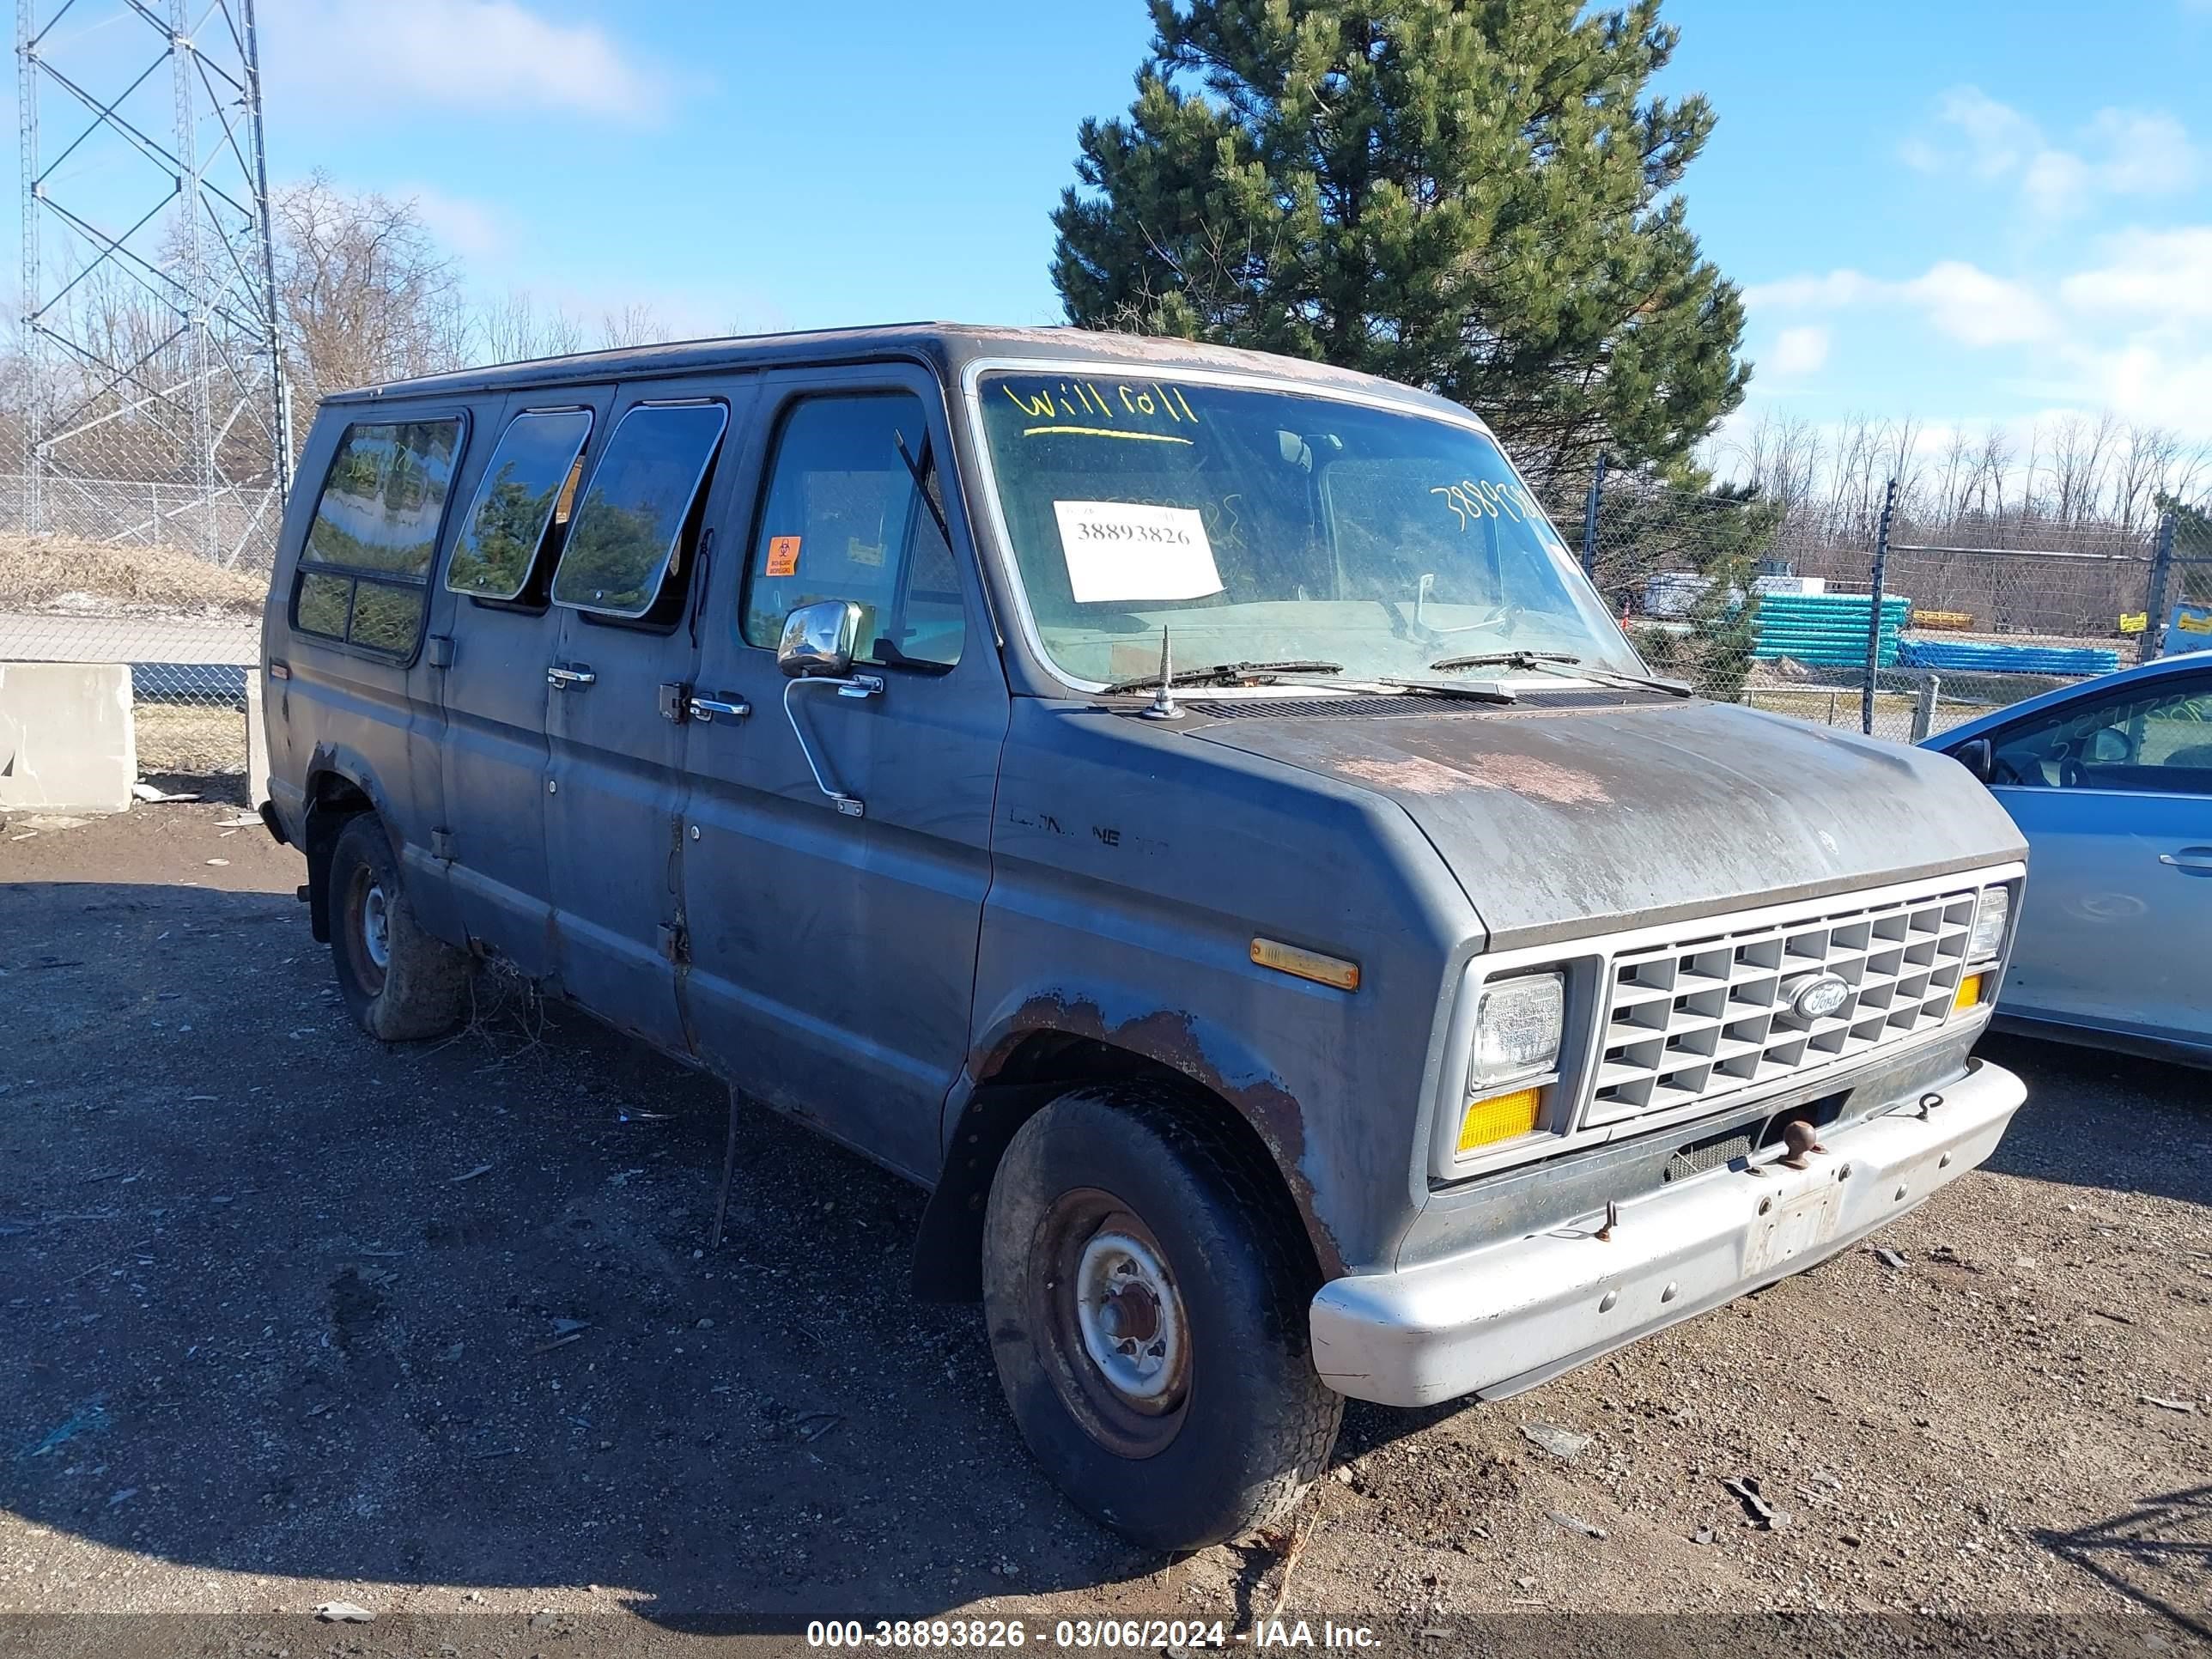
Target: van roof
[950,346]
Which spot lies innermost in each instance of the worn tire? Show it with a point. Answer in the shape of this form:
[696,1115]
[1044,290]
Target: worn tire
[421,987]
[1255,1422]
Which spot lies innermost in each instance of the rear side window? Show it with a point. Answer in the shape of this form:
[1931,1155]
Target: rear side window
[844,519]
[529,487]
[629,530]
[366,563]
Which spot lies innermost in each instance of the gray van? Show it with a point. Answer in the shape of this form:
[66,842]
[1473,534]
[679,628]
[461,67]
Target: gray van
[1184,807]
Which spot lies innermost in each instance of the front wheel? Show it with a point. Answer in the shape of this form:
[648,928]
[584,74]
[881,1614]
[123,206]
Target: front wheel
[399,981]
[1146,1292]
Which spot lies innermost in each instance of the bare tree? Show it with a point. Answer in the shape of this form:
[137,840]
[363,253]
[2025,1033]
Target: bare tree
[2080,450]
[512,330]
[1955,472]
[367,294]
[633,324]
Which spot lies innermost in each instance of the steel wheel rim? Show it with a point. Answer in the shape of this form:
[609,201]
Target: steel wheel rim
[368,929]
[1114,1331]
[1130,1315]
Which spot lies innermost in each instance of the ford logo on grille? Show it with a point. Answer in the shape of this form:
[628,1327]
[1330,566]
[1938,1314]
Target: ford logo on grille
[1815,996]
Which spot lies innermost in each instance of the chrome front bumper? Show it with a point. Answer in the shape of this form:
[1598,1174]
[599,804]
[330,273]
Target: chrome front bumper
[1509,1316]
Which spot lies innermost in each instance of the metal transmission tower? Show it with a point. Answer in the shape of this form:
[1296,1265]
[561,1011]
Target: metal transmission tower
[155,404]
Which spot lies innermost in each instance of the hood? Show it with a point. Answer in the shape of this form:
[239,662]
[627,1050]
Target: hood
[1562,822]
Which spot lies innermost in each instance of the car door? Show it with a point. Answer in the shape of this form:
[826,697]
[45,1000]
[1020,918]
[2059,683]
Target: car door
[835,874]
[614,786]
[491,648]
[2114,795]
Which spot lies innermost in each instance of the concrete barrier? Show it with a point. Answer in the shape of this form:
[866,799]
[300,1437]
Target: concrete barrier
[67,744]
[256,744]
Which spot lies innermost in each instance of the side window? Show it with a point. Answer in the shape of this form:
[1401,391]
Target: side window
[843,519]
[2154,739]
[529,488]
[629,535]
[365,567]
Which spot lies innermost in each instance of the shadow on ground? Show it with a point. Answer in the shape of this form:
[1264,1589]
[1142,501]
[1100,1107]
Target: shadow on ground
[283,1301]
[2157,1556]
[2124,1126]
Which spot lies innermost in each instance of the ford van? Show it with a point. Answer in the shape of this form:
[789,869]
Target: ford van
[1185,808]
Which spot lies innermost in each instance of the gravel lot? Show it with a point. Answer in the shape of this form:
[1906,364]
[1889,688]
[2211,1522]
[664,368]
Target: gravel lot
[291,1317]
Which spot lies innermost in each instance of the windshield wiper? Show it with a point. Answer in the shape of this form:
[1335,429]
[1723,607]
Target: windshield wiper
[1453,689]
[1224,674]
[1500,659]
[1558,662]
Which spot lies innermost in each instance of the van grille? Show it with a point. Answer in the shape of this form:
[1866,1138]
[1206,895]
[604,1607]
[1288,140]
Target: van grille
[1691,1021]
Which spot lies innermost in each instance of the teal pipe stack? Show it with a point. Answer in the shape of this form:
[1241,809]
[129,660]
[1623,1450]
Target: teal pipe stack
[1827,630]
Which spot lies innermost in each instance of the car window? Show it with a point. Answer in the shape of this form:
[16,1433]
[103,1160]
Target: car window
[843,518]
[2151,738]
[628,530]
[366,561]
[528,486]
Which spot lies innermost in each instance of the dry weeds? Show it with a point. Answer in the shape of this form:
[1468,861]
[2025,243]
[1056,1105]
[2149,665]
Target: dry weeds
[37,571]
[190,740]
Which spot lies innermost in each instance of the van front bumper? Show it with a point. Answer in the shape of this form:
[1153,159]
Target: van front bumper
[1510,1315]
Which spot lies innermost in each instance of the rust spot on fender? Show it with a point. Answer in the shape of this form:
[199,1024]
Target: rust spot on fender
[1521,774]
[1412,777]
[1165,1036]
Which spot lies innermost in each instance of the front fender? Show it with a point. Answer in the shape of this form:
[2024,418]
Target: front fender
[1214,1056]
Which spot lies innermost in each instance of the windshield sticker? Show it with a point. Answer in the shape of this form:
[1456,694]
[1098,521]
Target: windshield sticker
[1470,499]
[1121,550]
[1145,410]
[783,556]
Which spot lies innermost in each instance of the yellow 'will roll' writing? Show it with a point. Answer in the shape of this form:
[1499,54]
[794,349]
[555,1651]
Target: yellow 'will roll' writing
[1081,405]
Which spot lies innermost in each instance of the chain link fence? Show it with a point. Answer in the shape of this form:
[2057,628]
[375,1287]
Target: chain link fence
[1902,632]
[151,574]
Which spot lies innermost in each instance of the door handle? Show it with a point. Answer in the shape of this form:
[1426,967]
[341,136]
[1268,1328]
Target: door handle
[706,708]
[2190,860]
[562,676]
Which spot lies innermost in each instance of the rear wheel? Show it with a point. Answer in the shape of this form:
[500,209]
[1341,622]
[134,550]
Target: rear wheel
[399,981]
[1146,1297]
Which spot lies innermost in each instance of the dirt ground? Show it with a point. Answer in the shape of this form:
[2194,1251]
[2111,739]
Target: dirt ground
[289,1317]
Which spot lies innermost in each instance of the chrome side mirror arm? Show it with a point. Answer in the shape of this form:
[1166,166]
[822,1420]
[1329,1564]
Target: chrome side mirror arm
[849,685]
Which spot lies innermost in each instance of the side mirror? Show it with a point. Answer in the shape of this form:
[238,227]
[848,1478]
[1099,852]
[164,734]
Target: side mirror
[820,640]
[1977,757]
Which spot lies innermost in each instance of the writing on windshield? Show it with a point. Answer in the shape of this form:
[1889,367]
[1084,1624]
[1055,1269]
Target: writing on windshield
[1259,525]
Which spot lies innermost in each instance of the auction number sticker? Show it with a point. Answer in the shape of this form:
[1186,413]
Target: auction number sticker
[1132,552]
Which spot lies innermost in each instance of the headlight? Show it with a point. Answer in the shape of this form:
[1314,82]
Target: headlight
[1516,1030]
[1990,917]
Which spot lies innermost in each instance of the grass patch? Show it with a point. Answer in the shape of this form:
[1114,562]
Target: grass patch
[37,571]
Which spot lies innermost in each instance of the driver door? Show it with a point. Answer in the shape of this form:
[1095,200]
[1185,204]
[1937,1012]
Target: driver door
[2114,795]
[839,849]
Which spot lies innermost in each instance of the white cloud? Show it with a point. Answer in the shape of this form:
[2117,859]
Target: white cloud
[476,55]
[475,230]
[1978,309]
[2118,152]
[1799,350]
[2164,275]
[2149,380]
[1961,301]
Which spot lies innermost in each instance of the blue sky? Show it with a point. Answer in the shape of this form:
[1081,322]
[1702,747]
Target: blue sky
[1961,211]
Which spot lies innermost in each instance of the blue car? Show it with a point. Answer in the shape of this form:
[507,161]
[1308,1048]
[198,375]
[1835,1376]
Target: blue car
[2111,782]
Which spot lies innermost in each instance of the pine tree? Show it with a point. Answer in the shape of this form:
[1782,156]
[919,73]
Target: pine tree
[1471,196]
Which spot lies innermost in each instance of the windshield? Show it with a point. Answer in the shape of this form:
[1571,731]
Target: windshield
[1266,527]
